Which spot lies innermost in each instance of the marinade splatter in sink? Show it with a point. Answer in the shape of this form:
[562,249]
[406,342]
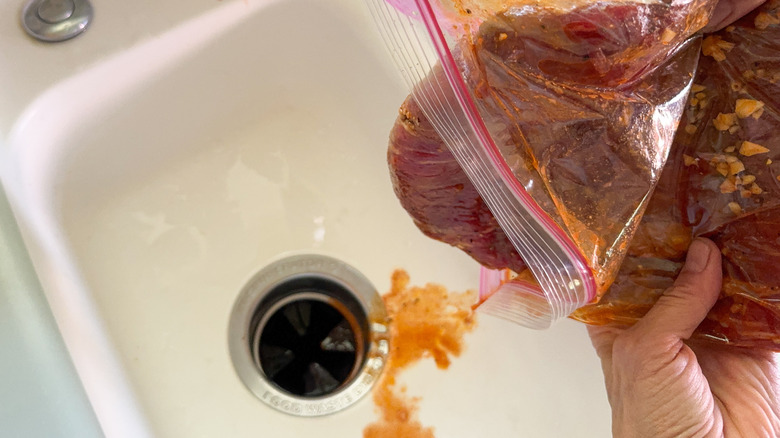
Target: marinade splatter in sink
[426,321]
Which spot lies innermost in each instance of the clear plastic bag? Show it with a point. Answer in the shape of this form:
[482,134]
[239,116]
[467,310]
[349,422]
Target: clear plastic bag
[721,182]
[561,116]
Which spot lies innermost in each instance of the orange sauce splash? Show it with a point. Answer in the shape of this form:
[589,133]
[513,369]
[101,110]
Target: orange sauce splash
[425,321]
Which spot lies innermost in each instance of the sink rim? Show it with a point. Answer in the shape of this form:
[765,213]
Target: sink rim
[34,192]
[30,152]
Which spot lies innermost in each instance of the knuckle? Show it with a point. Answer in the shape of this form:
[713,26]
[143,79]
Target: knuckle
[674,297]
[683,297]
[684,285]
[636,355]
[627,345]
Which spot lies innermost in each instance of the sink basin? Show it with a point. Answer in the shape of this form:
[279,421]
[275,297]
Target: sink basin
[152,184]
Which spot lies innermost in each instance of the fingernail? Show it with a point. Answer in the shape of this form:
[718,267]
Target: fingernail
[698,256]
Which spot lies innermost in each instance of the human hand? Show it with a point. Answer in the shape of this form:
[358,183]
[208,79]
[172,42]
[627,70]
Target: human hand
[729,11]
[659,385]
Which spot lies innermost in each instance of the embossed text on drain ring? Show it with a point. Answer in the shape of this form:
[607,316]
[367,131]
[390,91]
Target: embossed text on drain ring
[256,295]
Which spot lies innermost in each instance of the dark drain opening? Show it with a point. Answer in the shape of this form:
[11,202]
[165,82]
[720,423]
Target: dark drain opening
[310,336]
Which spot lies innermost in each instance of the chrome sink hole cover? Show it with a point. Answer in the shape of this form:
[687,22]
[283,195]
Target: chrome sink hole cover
[56,20]
[308,335]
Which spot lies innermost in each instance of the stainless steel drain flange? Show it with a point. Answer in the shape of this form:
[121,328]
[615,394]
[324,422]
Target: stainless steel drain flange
[308,335]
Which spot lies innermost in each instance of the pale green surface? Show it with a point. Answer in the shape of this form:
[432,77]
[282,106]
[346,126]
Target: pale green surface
[40,393]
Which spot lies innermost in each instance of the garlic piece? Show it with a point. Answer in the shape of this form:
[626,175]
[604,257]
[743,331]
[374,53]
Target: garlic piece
[748,149]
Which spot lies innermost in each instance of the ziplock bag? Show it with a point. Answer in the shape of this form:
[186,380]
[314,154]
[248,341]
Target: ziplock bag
[561,114]
[721,182]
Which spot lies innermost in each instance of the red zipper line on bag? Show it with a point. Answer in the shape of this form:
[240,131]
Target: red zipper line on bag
[470,109]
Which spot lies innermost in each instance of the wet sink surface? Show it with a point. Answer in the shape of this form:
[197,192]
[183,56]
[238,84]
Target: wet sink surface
[190,162]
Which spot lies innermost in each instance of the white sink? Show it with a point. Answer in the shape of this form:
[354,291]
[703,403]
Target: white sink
[153,183]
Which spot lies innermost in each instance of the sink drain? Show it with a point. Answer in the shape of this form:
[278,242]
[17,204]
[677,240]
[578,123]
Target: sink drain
[307,335]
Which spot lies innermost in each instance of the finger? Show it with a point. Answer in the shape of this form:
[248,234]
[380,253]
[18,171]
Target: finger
[684,306]
[602,337]
[729,11]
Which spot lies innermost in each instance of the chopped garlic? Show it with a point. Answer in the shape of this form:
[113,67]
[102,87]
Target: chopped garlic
[747,179]
[749,149]
[697,88]
[715,47]
[736,167]
[747,107]
[690,128]
[689,160]
[756,190]
[724,121]
[668,36]
[764,20]
[735,207]
[728,186]
[729,149]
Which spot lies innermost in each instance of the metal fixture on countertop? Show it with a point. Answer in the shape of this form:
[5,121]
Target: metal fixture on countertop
[56,20]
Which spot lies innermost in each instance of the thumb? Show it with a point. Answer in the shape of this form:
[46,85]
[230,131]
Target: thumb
[684,306]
